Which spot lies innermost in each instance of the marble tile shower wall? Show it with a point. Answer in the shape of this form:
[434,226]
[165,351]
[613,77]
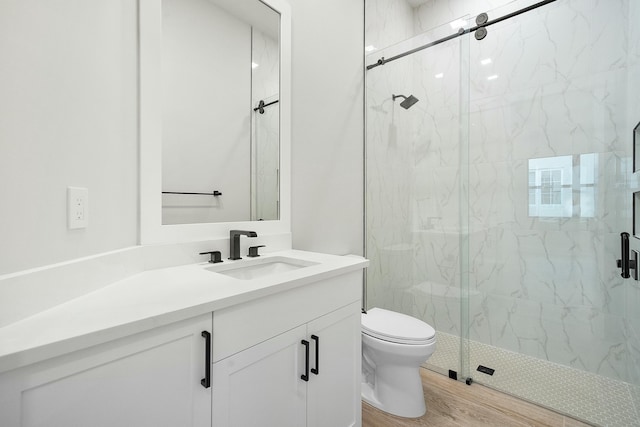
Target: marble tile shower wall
[563,81]
[388,22]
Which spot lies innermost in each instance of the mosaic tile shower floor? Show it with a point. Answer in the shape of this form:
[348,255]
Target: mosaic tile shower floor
[589,397]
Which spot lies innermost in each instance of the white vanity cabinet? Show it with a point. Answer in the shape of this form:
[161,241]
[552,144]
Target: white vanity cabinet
[147,379]
[254,351]
[260,357]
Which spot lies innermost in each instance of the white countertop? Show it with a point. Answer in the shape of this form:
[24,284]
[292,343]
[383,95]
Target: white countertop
[151,299]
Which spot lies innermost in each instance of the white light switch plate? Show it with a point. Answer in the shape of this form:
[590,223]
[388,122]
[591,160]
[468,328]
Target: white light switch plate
[77,207]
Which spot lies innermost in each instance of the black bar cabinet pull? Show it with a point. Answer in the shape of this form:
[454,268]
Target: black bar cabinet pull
[316,370]
[206,381]
[305,376]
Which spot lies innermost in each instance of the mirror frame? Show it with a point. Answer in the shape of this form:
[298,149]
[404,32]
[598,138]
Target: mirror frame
[152,231]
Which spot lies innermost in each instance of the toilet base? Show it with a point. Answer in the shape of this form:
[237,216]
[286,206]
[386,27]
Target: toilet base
[407,402]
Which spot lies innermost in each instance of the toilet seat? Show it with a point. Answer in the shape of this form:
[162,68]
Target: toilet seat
[397,327]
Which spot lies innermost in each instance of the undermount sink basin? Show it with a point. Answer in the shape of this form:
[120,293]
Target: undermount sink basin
[258,268]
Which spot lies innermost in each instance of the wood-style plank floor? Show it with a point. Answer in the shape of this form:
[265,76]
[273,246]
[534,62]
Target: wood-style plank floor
[453,403]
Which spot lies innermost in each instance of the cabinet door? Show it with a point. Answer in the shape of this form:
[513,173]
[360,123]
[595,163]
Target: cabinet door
[334,392]
[261,386]
[148,379]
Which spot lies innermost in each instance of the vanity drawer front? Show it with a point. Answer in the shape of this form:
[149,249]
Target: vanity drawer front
[239,327]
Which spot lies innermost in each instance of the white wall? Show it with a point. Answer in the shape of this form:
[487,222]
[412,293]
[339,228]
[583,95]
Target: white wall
[67,118]
[327,134]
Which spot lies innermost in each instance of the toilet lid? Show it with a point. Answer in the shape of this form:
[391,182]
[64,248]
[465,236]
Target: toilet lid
[396,327]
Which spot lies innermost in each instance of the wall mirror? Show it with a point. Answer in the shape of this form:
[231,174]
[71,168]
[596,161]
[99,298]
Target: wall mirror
[214,117]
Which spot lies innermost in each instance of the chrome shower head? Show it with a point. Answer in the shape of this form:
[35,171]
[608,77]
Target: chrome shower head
[408,100]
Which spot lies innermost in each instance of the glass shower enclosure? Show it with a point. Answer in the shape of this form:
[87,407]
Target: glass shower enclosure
[495,204]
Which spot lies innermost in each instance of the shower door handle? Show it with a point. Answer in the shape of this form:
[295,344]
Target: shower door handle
[625,263]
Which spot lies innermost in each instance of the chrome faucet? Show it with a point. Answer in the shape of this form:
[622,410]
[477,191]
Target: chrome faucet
[234,242]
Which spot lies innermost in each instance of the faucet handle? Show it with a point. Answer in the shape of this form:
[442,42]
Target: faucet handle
[253,251]
[216,256]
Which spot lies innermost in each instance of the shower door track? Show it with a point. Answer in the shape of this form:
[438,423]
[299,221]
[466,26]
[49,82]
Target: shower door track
[481,25]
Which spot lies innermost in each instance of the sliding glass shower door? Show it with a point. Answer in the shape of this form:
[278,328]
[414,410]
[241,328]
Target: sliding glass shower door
[413,188]
[495,204]
[553,100]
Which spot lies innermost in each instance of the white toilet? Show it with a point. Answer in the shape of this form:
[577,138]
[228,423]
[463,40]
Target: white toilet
[394,346]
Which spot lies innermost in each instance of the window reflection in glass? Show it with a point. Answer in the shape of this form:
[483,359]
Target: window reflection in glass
[563,186]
